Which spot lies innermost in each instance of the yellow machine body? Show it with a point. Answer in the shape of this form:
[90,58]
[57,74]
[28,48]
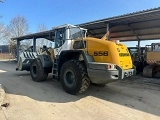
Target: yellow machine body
[105,51]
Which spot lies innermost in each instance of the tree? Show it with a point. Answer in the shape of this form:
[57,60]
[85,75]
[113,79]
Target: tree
[41,41]
[18,27]
[2,30]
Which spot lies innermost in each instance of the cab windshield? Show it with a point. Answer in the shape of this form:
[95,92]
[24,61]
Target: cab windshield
[76,32]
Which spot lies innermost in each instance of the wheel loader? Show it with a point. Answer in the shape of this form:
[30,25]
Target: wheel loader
[153,60]
[78,60]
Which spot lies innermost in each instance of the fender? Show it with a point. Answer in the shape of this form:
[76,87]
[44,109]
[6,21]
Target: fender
[46,61]
[74,54]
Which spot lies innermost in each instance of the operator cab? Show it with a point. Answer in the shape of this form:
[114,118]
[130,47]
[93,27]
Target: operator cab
[64,35]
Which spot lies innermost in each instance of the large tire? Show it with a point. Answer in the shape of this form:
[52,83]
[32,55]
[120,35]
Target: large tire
[37,72]
[73,77]
[148,71]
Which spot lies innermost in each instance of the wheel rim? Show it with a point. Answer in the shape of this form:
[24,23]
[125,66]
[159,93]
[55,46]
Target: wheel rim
[69,78]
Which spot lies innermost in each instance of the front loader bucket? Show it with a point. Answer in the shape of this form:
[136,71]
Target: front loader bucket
[25,60]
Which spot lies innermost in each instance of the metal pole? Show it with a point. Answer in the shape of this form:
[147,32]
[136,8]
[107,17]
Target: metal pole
[139,50]
[134,32]
[34,44]
[18,44]
[108,30]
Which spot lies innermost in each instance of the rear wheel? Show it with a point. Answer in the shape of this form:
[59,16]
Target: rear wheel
[148,71]
[37,71]
[74,77]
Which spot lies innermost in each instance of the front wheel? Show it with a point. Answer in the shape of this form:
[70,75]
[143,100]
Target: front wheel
[37,71]
[74,77]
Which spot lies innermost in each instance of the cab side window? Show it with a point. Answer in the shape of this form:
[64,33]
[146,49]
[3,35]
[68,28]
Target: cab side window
[59,37]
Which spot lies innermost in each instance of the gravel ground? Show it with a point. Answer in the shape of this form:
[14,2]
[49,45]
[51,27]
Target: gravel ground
[134,98]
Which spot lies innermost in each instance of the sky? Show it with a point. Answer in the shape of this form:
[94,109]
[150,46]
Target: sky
[58,12]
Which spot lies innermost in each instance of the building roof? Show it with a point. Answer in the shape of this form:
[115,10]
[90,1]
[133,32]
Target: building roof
[49,34]
[142,25]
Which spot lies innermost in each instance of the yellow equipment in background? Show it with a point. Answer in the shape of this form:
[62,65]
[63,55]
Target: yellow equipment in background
[153,60]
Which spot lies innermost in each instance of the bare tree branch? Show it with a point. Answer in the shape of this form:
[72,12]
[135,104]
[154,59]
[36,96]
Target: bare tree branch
[2,32]
[42,41]
[41,28]
[18,26]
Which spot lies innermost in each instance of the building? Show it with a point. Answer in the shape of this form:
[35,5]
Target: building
[4,48]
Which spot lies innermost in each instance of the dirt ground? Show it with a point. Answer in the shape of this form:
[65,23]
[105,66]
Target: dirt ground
[134,98]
